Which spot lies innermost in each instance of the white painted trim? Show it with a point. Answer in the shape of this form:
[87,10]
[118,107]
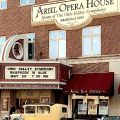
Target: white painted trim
[77,60]
[42,61]
[37,62]
[69,106]
[61,83]
[98,59]
[8,45]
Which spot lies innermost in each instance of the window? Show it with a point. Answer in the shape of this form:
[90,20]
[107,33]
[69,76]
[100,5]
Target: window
[29,46]
[30,109]
[52,0]
[43,109]
[26,2]
[31,38]
[91,41]
[3,4]
[45,99]
[57,44]
[64,110]
[2,42]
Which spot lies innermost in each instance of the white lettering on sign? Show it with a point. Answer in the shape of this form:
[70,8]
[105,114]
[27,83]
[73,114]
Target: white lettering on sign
[21,72]
[73,14]
[92,91]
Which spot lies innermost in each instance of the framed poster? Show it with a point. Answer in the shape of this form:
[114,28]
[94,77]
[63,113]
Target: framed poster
[4,103]
[103,107]
[82,108]
[45,99]
[92,107]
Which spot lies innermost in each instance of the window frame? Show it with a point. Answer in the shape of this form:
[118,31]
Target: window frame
[1,48]
[26,46]
[27,3]
[32,41]
[55,0]
[44,99]
[1,2]
[57,43]
[91,36]
[2,37]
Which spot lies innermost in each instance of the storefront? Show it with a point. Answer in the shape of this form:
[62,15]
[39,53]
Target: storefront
[89,94]
[30,83]
[46,38]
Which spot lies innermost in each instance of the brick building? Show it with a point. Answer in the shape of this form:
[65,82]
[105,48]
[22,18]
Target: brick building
[50,50]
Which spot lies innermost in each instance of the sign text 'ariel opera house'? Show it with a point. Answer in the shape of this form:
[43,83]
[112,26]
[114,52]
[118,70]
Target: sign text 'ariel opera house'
[61,52]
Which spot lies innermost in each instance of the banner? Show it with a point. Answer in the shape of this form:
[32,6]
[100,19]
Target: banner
[73,14]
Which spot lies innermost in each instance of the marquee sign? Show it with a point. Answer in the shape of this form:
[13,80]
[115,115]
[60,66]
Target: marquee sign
[33,72]
[73,14]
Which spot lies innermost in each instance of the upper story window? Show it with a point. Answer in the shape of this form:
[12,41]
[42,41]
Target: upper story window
[91,41]
[2,43]
[27,2]
[29,46]
[31,38]
[52,0]
[57,44]
[3,4]
[55,0]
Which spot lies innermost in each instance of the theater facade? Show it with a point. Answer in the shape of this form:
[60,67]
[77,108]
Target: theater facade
[61,52]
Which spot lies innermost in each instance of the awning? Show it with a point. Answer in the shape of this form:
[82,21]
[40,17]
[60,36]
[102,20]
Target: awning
[91,84]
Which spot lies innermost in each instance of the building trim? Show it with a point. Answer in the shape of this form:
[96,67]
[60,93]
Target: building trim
[61,83]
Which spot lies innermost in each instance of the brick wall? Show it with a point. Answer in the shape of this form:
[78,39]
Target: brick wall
[90,68]
[17,20]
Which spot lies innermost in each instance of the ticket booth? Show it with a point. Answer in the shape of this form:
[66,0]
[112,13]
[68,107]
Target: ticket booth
[89,94]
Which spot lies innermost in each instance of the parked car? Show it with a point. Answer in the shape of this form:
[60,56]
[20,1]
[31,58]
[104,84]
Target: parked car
[112,118]
[42,112]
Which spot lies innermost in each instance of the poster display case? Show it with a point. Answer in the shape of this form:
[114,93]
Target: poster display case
[4,103]
[92,107]
[82,108]
[103,107]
